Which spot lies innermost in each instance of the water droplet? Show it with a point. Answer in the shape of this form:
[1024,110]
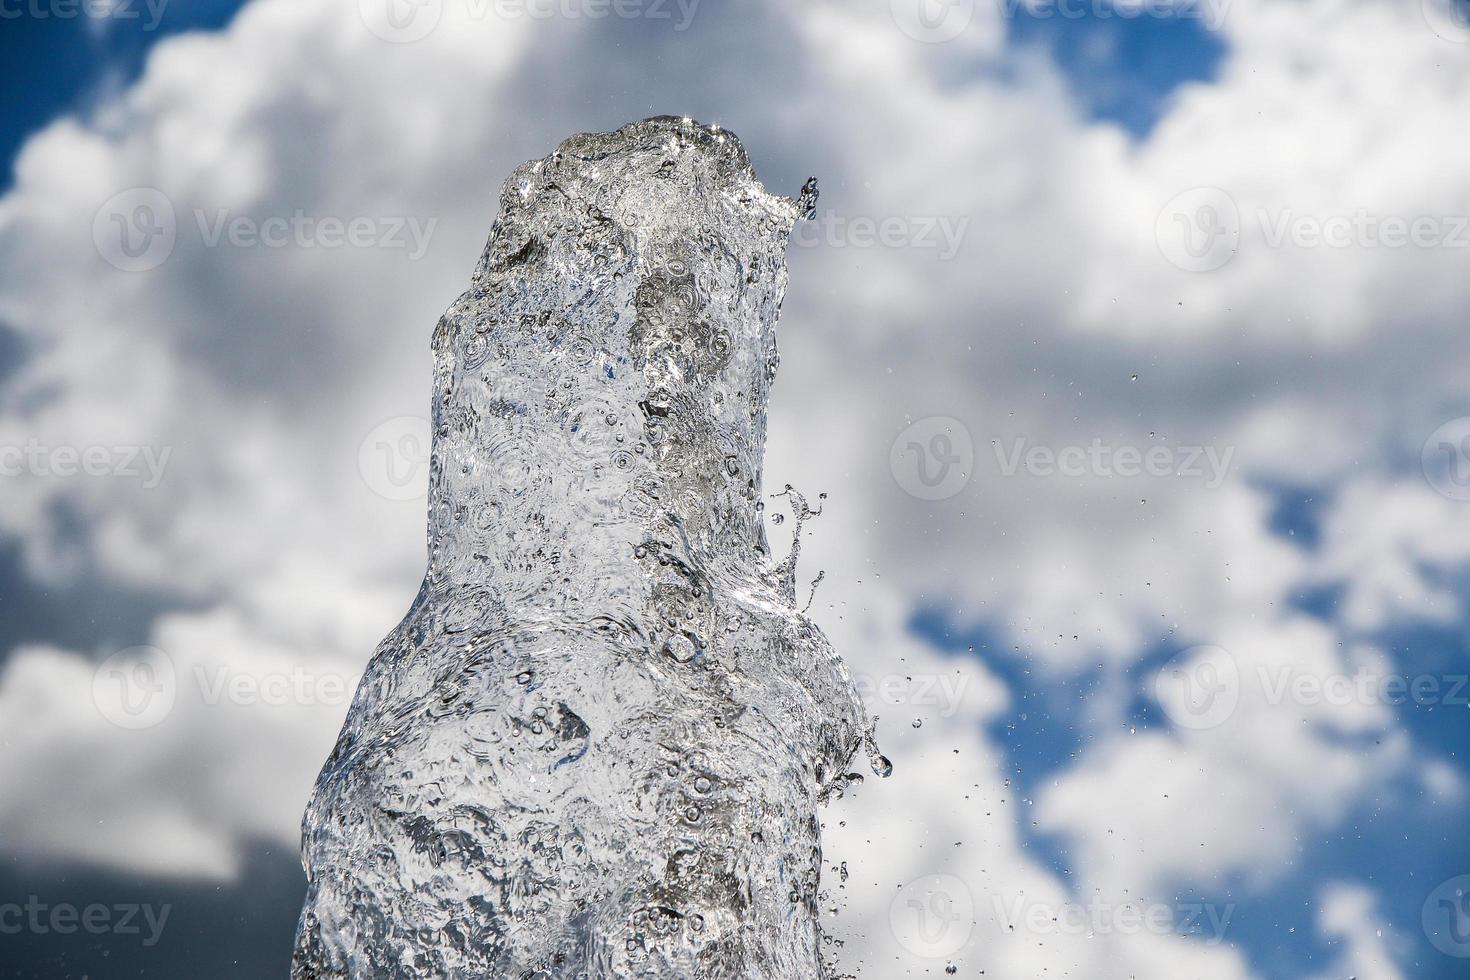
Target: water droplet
[595,478]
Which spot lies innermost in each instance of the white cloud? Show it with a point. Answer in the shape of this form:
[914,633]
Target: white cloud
[951,812]
[1163,808]
[1348,916]
[223,757]
[1387,543]
[264,369]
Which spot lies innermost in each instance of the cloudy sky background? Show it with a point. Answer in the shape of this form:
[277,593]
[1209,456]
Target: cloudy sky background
[1096,230]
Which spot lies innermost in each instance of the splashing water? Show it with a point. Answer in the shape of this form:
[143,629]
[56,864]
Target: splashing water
[597,744]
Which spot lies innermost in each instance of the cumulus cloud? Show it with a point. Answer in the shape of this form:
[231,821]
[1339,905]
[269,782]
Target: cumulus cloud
[1392,545]
[1348,916]
[1225,792]
[1026,291]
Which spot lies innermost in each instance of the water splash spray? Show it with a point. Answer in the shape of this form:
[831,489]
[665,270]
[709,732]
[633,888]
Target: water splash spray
[597,744]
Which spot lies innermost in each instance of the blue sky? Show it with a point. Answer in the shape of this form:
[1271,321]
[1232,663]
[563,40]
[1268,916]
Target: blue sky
[1064,318]
[245,930]
[62,64]
[1395,841]
[1123,69]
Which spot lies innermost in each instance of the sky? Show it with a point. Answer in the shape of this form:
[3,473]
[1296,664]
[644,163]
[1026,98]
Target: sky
[1127,344]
